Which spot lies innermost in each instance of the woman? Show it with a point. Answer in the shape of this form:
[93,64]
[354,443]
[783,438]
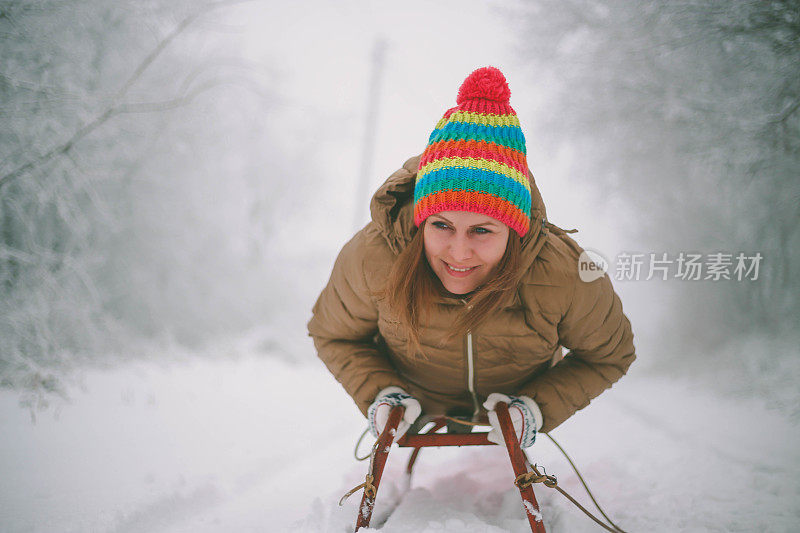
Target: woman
[459,293]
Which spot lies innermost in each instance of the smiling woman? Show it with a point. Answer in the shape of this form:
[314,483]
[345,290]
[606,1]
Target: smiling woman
[460,294]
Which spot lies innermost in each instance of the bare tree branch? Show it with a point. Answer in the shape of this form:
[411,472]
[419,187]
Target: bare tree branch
[166,105]
[115,107]
[160,47]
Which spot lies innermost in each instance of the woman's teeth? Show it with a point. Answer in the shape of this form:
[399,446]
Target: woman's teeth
[459,269]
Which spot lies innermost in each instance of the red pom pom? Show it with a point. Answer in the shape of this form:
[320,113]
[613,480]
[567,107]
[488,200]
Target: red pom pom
[487,83]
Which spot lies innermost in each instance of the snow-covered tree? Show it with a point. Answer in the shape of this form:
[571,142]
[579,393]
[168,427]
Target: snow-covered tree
[138,181]
[689,112]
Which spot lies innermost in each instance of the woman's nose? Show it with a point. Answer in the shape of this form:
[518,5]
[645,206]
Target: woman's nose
[460,248]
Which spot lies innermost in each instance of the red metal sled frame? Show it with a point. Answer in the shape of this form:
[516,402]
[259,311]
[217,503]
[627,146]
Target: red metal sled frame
[431,438]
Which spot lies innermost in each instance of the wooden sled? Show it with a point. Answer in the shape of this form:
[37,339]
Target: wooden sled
[519,462]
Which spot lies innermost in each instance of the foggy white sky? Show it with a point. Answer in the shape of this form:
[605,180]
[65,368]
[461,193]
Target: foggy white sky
[319,55]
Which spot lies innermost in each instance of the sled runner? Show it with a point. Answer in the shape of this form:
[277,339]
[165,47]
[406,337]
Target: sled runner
[524,478]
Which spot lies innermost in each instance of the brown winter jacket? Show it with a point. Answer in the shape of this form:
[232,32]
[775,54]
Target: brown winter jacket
[517,350]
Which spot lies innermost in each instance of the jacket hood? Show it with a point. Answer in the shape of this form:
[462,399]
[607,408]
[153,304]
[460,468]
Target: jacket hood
[392,213]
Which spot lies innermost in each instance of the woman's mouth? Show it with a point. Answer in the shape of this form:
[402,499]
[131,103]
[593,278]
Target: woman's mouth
[458,272]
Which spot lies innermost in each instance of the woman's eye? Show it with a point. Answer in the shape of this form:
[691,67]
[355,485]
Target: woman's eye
[441,225]
[482,231]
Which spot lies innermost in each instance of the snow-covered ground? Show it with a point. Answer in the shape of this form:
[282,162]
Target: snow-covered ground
[247,443]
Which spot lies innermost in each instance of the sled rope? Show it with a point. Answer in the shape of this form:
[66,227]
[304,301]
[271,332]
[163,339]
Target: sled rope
[369,488]
[526,480]
[585,486]
[358,445]
[463,422]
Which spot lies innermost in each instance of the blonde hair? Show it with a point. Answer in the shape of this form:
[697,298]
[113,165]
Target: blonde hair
[412,288]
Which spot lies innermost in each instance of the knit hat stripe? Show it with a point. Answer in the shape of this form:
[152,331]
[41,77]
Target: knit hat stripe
[441,124]
[466,117]
[476,164]
[478,181]
[476,202]
[475,149]
[508,136]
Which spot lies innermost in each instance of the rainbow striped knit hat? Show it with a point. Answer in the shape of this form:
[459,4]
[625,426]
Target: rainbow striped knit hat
[475,158]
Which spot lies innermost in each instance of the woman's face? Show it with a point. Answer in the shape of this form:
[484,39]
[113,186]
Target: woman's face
[463,248]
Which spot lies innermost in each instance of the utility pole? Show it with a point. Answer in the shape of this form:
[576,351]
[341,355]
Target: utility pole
[370,129]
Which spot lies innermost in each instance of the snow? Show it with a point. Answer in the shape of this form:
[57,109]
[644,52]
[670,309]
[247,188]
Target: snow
[247,443]
[532,510]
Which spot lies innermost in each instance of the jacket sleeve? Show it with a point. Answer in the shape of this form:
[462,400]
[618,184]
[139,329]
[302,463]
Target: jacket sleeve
[600,341]
[344,325]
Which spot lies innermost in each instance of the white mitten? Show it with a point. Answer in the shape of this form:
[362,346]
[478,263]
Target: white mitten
[525,415]
[378,412]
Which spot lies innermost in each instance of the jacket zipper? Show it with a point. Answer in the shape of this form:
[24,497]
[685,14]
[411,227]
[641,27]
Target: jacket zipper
[471,370]
[471,376]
